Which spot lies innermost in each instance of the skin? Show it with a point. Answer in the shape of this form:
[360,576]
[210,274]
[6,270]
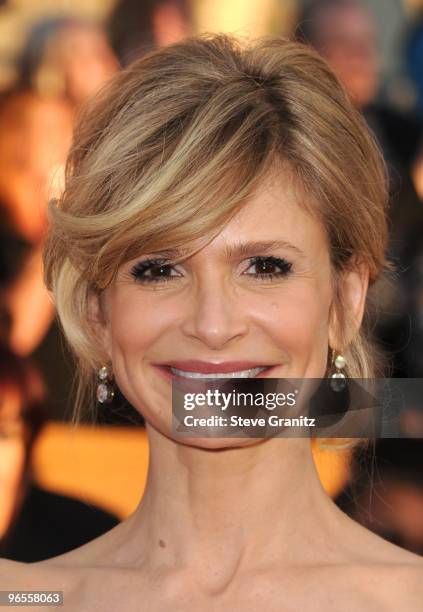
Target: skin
[214,309]
[169,25]
[84,57]
[244,527]
[32,165]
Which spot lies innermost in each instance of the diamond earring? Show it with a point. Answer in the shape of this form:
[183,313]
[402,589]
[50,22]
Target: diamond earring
[105,392]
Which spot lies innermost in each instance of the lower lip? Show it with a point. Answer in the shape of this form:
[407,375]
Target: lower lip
[167,373]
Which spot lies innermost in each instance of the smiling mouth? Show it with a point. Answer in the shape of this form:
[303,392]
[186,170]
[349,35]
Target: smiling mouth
[250,373]
[194,369]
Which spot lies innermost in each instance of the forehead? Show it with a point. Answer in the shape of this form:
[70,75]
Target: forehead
[276,211]
[340,23]
[277,215]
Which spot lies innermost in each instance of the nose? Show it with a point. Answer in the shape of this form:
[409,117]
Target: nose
[216,316]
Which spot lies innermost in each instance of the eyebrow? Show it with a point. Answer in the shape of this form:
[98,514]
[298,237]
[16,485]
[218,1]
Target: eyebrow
[247,249]
[237,250]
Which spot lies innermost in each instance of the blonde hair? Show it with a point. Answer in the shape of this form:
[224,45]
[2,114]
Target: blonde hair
[172,147]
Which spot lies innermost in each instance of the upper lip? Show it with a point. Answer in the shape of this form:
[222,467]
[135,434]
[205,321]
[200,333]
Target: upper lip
[207,367]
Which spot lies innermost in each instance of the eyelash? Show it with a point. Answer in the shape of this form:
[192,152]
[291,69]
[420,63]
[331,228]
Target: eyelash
[139,270]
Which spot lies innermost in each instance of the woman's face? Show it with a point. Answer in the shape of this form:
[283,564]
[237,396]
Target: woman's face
[86,59]
[258,295]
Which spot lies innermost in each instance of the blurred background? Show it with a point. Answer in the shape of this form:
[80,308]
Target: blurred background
[62,486]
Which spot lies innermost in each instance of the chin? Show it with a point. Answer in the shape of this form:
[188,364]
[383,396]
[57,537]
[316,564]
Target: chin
[206,443]
[217,444]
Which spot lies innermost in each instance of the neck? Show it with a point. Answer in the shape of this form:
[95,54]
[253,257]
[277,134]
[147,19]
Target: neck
[219,511]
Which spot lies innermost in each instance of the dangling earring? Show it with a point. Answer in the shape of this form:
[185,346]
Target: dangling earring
[331,401]
[338,378]
[105,392]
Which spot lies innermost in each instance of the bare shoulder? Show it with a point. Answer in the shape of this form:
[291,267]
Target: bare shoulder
[16,576]
[361,546]
[79,573]
[389,558]
[385,575]
[413,585]
[367,586]
[393,586]
[36,576]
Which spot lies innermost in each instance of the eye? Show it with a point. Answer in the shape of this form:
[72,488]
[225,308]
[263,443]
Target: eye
[268,268]
[153,271]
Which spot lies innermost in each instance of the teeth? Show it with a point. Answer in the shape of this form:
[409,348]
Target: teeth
[241,374]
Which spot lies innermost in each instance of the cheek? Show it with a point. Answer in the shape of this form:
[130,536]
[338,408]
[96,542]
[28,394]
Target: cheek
[136,319]
[141,329]
[298,318]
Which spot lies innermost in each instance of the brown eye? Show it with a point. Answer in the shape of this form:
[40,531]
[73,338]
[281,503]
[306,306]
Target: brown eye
[269,267]
[159,271]
[152,271]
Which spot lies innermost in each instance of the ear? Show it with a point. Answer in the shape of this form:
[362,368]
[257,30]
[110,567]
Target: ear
[348,311]
[98,318]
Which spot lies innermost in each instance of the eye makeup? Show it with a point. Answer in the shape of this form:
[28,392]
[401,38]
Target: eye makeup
[156,270]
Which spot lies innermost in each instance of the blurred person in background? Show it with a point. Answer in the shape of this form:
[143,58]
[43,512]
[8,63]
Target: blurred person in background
[139,26]
[34,523]
[66,57]
[35,135]
[386,492]
[344,33]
